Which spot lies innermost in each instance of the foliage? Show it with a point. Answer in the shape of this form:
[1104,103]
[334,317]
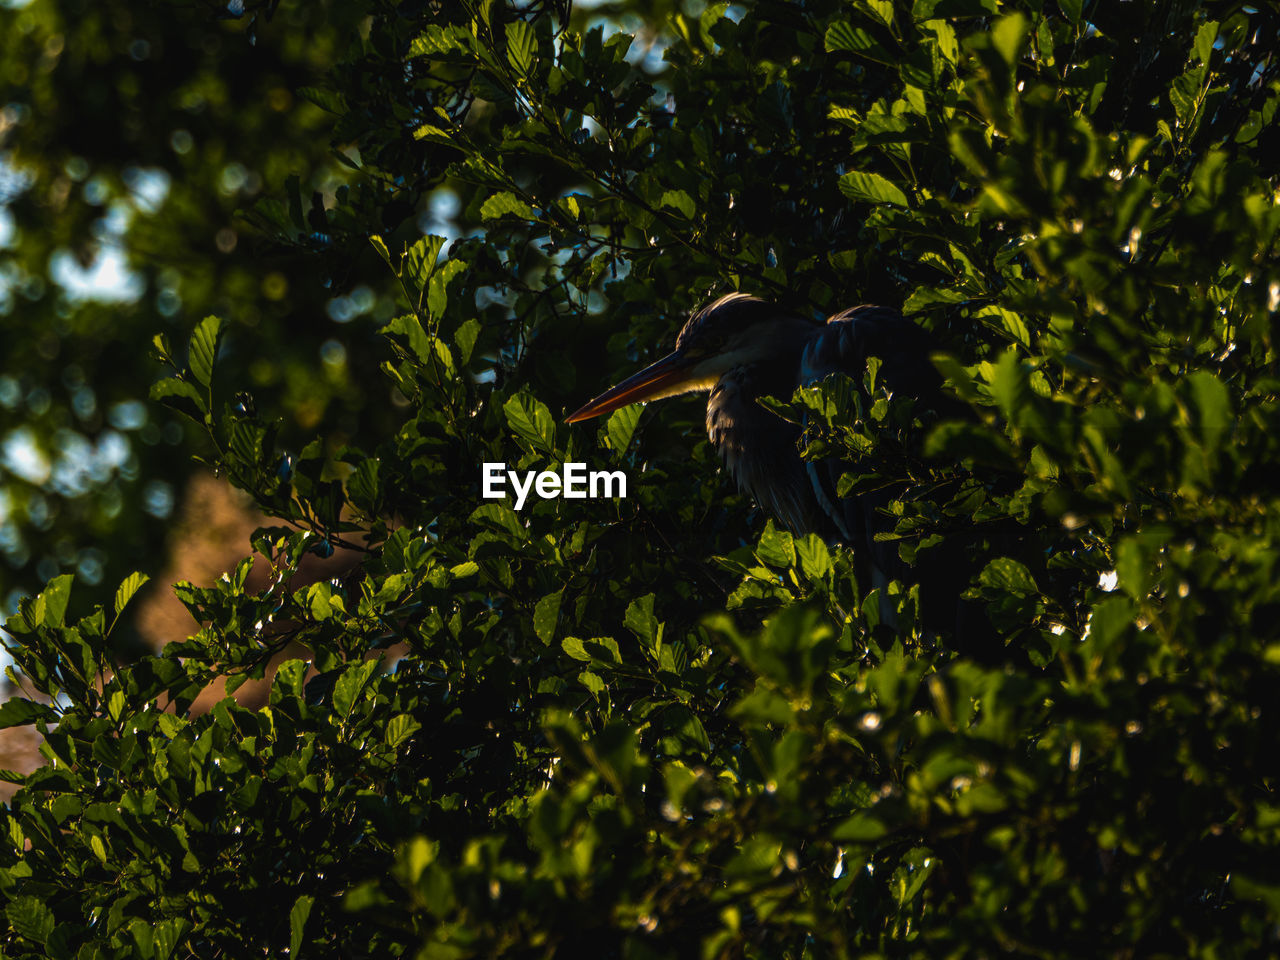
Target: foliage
[141,135]
[660,725]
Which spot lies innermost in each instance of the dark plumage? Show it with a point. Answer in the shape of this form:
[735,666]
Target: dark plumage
[740,349]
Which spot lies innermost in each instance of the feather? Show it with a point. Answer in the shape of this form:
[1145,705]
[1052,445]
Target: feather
[844,345]
[742,348]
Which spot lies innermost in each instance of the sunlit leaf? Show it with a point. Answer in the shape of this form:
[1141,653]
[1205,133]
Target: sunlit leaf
[522,46]
[298,916]
[128,587]
[19,712]
[531,420]
[545,615]
[872,188]
[420,259]
[399,729]
[622,426]
[204,349]
[506,204]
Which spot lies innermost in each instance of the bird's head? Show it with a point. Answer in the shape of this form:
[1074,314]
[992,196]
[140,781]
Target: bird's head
[734,331]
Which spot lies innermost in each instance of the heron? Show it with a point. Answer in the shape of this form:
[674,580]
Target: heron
[741,348]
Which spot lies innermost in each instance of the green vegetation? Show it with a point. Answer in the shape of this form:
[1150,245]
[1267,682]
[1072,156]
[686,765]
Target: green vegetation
[662,726]
[139,130]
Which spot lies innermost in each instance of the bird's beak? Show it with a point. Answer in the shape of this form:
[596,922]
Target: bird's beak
[660,379]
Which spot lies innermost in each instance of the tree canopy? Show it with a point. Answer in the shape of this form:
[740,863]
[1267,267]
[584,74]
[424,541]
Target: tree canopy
[659,725]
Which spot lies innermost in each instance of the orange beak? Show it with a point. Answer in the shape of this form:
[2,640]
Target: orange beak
[657,378]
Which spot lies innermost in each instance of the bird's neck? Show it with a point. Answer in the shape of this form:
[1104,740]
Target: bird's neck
[775,371]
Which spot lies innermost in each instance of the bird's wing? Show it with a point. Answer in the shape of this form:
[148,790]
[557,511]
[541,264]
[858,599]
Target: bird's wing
[843,346]
[852,335]
[759,451]
[944,570]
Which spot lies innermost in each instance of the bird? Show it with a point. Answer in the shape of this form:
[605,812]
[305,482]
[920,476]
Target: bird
[740,348]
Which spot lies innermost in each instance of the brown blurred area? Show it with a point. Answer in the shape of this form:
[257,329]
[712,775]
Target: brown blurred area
[209,537]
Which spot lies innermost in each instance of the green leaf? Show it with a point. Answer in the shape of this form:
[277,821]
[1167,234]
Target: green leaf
[324,98]
[434,134]
[420,259]
[144,939]
[968,441]
[923,298]
[399,729]
[881,10]
[410,327]
[1007,320]
[592,682]
[709,18]
[531,420]
[298,922]
[289,680]
[1213,406]
[468,568]
[465,337]
[545,616]
[522,46]
[640,619]
[501,516]
[350,685]
[946,36]
[872,188]
[437,291]
[815,558]
[171,389]
[438,39]
[30,918]
[204,349]
[679,200]
[506,204]
[603,649]
[1134,567]
[1008,35]
[20,712]
[1205,38]
[956,374]
[128,587]
[363,489]
[843,37]
[168,934]
[1110,621]
[318,600]
[1184,94]
[776,547]
[1010,384]
[54,598]
[622,426]
[860,828]
[248,442]
[1009,576]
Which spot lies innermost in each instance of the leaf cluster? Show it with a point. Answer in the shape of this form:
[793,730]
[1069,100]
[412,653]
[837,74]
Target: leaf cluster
[660,725]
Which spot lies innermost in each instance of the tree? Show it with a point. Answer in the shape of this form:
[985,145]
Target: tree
[132,135]
[661,725]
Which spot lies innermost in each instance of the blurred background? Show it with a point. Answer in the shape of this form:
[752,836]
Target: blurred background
[135,141]
[160,162]
[153,157]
